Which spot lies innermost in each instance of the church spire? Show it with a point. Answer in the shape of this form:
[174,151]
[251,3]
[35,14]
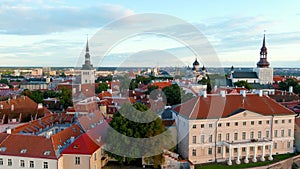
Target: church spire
[87,62]
[263,62]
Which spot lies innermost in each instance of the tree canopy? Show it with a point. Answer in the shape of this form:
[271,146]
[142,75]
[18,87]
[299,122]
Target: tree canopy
[290,82]
[176,95]
[133,135]
[243,83]
[101,87]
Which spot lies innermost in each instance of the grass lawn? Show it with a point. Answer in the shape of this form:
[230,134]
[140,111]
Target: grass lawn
[250,164]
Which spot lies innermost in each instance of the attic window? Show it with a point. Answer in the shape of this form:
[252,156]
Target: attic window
[75,146]
[46,153]
[2,149]
[23,151]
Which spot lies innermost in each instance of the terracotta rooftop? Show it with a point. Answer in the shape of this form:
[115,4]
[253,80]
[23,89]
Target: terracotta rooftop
[215,106]
[27,146]
[83,145]
[297,121]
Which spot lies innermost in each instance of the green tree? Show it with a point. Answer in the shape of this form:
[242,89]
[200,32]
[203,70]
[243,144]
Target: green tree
[243,83]
[37,96]
[66,97]
[126,124]
[290,82]
[101,87]
[206,81]
[176,95]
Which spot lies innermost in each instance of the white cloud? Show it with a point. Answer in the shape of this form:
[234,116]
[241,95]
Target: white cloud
[30,17]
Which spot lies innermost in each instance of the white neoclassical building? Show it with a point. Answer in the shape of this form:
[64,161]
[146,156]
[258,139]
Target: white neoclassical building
[237,128]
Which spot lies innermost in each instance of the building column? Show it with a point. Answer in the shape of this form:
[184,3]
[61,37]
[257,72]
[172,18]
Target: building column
[238,161]
[255,154]
[247,155]
[223,151]
[271,152]
[263,153]
[229,162]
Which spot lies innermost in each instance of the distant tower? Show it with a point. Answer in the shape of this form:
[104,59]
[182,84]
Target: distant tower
[87,70]
[196,66]
[204,71]
[264,72]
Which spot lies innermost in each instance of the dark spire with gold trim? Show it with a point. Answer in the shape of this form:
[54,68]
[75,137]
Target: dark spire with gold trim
[263,62]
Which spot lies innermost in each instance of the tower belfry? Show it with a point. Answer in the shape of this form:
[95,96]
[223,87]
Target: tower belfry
[263,62]
[87,70]
[264,72]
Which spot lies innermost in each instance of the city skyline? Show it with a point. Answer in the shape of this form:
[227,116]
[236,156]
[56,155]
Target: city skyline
[53,33]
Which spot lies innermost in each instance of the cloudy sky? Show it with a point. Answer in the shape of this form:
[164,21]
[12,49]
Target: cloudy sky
[54,32]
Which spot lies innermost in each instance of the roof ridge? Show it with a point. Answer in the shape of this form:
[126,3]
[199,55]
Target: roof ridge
[8,135]
[198,99]
[272,100]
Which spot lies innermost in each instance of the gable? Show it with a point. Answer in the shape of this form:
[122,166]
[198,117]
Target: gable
[244,114]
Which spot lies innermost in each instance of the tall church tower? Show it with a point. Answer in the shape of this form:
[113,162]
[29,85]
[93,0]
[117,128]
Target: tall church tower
[264,72]
[87,70]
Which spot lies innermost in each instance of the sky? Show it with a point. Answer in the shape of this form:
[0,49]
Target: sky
[148,33]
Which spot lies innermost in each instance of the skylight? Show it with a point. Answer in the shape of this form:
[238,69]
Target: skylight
[46,153]
[23,151]
[2,149]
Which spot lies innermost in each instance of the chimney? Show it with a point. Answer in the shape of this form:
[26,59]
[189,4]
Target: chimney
[260,93]
[243,93]
[204,93]
[291,89]
[223,93]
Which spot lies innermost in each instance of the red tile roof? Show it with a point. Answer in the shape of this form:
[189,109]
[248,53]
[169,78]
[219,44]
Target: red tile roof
[215,106]
[83,145]
[32,146]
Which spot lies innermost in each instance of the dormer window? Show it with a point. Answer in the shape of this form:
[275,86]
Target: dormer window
[2,149]
[46,153]
[23,151]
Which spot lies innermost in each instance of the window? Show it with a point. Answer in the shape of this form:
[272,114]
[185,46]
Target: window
[31,164]
[259,134]
[290,121]
[289,132]
[243,149]
[282,121]
[268,122]
[288,144]
[210,125]
[227,136]
[275,133]
[235,136]
[220,125]
[77,160]
[1,161]
[9,162]
[268,134]
[95,156]
[282,133]
[219,150]
[251,135]
[236,123]
[194,139]
[252,122]
[202,139]
[244,123]
[194,152]
[210,138]
[276,121]
[219,137]
[45,165]
[202,125]
[244,135]
[259,122]
[275,145]
[227,124]
[194,126]
[209,151]
[22,163]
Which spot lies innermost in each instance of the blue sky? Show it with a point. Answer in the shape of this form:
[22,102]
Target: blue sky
[53,32]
